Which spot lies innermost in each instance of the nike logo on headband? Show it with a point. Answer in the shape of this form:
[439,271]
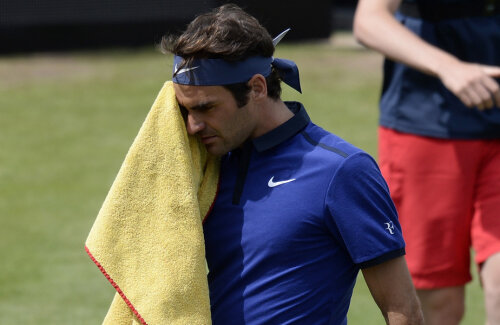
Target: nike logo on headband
[184,70]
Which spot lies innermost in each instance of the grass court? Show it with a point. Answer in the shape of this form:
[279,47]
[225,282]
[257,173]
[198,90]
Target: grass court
[66,122]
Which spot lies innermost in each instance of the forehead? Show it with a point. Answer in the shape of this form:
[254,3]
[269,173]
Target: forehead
[188,95]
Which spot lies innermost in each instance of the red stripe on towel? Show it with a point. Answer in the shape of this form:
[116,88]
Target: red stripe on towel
[213,202]
[129,304]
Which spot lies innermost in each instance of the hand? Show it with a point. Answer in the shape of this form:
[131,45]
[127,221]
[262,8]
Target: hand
[473,83]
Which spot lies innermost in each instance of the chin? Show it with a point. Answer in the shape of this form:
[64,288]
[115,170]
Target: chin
[216,151]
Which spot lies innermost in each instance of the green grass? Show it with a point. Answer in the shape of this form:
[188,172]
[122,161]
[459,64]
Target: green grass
[66,122]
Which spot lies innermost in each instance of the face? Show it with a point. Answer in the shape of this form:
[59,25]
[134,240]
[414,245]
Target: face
[212,114]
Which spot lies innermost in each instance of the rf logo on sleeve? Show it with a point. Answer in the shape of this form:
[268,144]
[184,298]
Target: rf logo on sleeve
[389,227]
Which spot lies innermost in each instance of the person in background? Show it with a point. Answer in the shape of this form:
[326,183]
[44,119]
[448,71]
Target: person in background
[439,141]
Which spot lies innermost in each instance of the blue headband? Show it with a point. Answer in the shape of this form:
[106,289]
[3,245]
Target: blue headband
[217,72]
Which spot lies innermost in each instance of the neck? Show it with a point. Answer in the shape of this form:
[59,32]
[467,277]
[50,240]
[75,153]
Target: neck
[272,113]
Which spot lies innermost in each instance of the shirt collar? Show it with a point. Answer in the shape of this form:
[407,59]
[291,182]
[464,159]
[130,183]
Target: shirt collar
[285,131]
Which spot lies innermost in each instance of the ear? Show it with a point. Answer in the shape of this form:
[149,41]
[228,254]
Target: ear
[258,86]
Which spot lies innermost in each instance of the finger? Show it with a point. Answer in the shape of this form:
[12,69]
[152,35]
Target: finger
[491,71]
[474,98]
[494,90]
[484,95]
[464,97]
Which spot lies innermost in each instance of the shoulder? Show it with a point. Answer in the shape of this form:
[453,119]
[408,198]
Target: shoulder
[333,155]
[329,144]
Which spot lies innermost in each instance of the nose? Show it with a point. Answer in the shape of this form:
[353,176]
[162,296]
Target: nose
[194,125]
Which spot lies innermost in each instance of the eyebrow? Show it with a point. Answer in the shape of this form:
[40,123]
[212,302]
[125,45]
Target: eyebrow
[202,106]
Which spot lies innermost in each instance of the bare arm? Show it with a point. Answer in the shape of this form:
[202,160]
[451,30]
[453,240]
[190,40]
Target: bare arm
[376,27]
[392,289]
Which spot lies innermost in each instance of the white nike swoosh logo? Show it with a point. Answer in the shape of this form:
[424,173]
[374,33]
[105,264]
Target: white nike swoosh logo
[184,70]
[272,183]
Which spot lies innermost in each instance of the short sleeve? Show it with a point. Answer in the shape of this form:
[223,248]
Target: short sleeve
[361,212]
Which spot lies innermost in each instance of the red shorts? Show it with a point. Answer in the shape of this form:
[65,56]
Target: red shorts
[447,193]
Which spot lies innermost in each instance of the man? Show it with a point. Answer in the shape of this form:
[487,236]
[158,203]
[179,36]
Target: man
[299,211]
[439,141]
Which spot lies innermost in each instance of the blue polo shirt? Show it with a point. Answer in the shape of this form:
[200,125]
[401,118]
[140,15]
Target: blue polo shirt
[299,212]
[417,103]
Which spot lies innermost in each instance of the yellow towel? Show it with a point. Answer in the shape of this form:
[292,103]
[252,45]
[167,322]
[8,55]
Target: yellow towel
[148,236]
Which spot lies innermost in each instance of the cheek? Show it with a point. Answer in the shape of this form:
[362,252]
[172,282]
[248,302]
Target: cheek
[240,126]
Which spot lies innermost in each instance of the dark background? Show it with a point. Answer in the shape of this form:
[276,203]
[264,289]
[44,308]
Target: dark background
[58,25]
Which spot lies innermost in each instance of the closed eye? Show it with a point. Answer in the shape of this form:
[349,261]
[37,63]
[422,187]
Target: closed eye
[203,107]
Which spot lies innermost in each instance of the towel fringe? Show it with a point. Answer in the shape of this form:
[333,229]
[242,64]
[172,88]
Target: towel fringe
[113,283]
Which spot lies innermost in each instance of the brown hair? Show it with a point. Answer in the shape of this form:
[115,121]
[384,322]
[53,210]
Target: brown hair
[228,33]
